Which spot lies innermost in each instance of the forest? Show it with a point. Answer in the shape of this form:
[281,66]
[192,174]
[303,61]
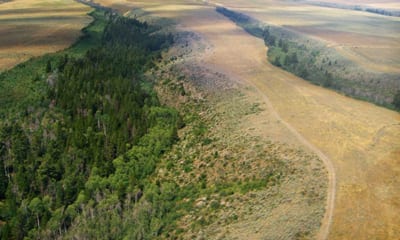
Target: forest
[80,132]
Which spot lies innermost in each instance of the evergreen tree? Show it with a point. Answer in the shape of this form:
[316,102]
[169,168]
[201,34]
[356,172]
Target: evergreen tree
[396,100]
[3,177]
[48,67]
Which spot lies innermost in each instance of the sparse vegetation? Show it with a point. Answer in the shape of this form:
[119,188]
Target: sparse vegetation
[228,169]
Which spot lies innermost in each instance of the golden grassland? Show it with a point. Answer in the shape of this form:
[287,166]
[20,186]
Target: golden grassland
[384,4]
[31,28]
[371,40]
[361,140]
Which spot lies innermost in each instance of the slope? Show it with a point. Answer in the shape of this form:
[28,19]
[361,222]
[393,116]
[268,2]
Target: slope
[362,140]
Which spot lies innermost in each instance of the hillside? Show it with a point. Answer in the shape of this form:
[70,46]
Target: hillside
[78,140]
[359,138]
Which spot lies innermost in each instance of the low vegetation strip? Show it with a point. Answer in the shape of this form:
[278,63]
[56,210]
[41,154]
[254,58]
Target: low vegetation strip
[313,61]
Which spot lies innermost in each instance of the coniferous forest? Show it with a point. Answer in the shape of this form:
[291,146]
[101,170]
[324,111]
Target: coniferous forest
[80,132]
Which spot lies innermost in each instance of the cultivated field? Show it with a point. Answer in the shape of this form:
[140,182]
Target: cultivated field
[358,142]
[371,40]
[31,28]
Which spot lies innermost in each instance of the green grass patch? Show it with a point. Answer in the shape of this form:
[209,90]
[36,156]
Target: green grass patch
[92,35]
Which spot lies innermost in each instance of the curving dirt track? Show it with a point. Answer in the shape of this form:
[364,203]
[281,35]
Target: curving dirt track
[330,200]
[361,140]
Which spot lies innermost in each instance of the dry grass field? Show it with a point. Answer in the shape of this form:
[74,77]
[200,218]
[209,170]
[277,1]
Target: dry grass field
[371,40]
[31,28]
[360,140]
[384,4]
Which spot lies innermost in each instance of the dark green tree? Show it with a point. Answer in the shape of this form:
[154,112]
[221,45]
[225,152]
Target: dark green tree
[277,62]
[396,100]
[48,66]
[293,58]
[3,177]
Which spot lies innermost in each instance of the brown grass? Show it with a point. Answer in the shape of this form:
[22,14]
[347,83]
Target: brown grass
[359,33]
[343,128]
[371,52]
[31,28]
[236,123]
[385,4]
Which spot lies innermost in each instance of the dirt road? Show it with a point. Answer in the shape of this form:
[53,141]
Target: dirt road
[342,128]
[361,140]
[330,201]
[331,192]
